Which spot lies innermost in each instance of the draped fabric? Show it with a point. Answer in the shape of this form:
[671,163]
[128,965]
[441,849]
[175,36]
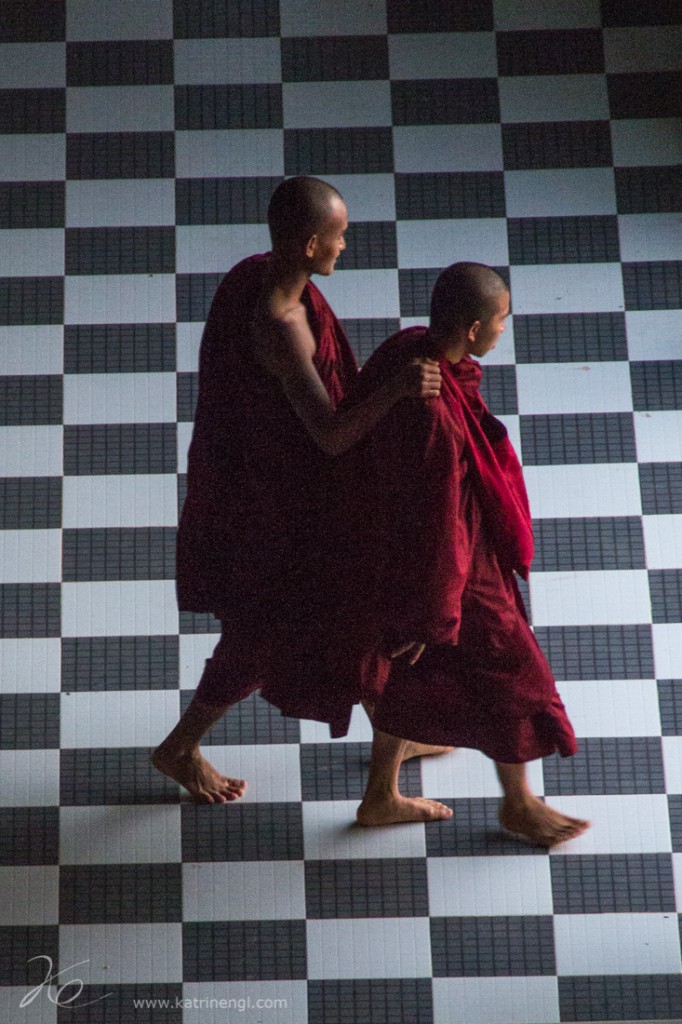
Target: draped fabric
[440,524]
[260,494]
[256,481]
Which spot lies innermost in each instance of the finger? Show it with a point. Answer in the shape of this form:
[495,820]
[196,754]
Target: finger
[401,650]
[416,655]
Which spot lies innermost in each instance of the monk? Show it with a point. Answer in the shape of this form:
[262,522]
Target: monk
[274,366]
[442,527]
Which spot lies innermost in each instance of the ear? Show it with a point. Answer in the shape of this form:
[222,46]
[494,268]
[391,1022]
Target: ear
[311,246]
[473,331]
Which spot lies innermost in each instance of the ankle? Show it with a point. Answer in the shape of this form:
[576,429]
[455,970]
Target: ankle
[381,790]
[519,801]
[179,752]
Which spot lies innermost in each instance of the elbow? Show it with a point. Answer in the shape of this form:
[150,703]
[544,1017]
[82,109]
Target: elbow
[330,443]
[331,446]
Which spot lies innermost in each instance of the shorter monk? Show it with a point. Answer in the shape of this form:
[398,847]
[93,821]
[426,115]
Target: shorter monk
[442,525]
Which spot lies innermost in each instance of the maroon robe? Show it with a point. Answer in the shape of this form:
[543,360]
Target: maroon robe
[442,524]
[259,495]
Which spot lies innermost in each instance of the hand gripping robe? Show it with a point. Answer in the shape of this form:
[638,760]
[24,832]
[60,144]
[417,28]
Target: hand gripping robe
[259,495]
[443,527]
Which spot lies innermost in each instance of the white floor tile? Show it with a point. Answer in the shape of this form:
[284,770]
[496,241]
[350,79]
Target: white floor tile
[561,388]
[495,1000]
[32,252]
[136,202]
[447,147]
[646,141]
[442,55]
[117,718]
[331,17]
[330,833]
[31,349]
[122,108]
[121,954]
[650,236]
[628,944]
[126,20]
[663,541]
[560,192]
[140,607]
[214,248]
[554,98]
[30,895]
[262,890]
[654,333]
[119,298]
[364,948]
[438,243]
[658,435]
[567,288]
[227,61]
[30,556]
[362,293]
[367,196]
[612,707]
[602,489]
[515,15]
[619,824]
[330,104]
[468,774]
[286,1002]
[672,763]
[667,650]
[184,438]
[30,778]
[489,886]
[33,65]
[30,665]
[120,834]
[272,770]
[359,731]
[133,500]
[120,398]
[677,877]
[32,157]
[232,153]
[39,1010]
[588,598]
[31,451]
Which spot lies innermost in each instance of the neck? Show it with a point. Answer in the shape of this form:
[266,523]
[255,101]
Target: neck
[451,347]
[288,278]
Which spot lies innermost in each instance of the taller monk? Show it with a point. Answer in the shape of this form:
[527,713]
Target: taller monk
[274,366]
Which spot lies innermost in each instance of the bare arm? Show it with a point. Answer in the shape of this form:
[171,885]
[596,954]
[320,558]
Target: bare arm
[285,347]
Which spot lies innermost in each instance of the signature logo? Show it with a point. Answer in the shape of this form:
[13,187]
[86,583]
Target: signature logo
[55,993]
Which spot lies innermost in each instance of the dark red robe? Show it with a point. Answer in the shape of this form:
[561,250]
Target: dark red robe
[442,525]
[259,494]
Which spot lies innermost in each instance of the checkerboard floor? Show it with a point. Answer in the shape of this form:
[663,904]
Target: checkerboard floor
[139,144]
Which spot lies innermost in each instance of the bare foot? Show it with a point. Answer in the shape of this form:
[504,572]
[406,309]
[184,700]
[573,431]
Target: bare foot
[536,823]
[391,810]
[422,750]
[198,777]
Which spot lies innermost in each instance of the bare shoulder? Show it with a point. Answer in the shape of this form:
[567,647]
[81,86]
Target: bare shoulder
[281,335]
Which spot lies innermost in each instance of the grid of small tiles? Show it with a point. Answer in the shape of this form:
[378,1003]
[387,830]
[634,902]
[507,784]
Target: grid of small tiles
[139,143]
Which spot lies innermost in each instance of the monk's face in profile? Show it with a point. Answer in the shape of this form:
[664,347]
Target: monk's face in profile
[325,247]
[486,336]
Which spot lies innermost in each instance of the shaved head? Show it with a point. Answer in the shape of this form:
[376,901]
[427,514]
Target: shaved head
[298,209]
[464,293]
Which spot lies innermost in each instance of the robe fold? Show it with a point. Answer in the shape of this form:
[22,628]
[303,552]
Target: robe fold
[260,493]
[441,527]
